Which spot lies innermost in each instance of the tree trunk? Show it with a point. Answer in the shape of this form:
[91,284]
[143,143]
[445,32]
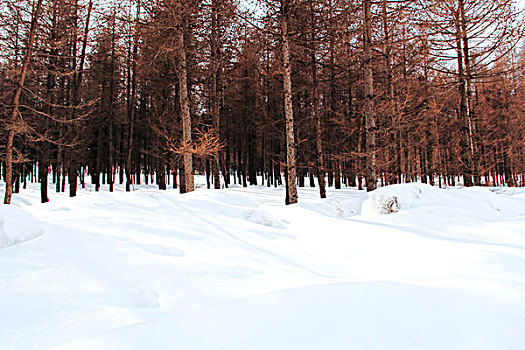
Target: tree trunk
[182,72]
[215,57]
[370,122]
[111,173]
[316,114]
[77,81]
[43,169]
[288,107]
[132,67]
[470,128]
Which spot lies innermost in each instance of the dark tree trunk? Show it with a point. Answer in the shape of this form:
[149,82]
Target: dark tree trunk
[370,122]
[320,170]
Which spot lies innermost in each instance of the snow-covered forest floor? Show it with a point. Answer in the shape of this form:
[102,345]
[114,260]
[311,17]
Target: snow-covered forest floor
[236,269]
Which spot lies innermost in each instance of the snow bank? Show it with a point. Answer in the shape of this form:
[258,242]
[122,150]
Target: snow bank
[480,203]
[145,298]
[17,226]
[391,199]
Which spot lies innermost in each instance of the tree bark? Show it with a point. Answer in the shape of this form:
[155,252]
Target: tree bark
[131,93]
[315,111]
[463,106]
[370,122]
[288,107]
[470,128]
[111,173]
[215,57]
[187,163]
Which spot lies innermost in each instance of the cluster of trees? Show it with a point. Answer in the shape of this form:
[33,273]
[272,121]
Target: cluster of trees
[357,92]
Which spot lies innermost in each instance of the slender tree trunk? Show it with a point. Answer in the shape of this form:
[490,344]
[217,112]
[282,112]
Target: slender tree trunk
[370,122]
[131,99]
[17,179]
[111,172]
[467,96]
[161,174]
[315,111]
[73,101]
[9,164]
[43,169]
[288,107]
[463,108]
[95,175]
[215,57]
[45,149]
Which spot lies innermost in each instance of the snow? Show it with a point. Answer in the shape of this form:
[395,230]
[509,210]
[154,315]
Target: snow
[16,226]
[236,269]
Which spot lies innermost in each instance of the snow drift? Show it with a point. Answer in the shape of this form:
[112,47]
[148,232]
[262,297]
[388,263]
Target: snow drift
[236,269]
[17,226]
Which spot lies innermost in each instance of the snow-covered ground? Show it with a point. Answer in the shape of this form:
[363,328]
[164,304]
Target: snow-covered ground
[236,269]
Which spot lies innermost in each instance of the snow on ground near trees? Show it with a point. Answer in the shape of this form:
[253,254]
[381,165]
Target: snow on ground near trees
[236,269]
[16,226]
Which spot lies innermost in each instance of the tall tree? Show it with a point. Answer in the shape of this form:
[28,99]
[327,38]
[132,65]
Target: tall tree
[181,17]
[131,93]
[315,104]
[291,186]
[16,119]
[370,121]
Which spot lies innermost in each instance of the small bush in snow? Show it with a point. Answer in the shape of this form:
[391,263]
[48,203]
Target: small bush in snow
[390,205]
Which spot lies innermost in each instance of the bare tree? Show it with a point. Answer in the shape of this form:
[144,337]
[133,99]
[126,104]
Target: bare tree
[16,123]
[291,186]
[187,185]
[370,122]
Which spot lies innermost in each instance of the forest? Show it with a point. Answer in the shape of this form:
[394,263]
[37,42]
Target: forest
[325,93]
[149,151]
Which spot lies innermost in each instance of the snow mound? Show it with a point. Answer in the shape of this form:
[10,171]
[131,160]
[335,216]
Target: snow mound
[394,198]
[17,226]
[145,298]
[262,217]
[343,207]
[162,250]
